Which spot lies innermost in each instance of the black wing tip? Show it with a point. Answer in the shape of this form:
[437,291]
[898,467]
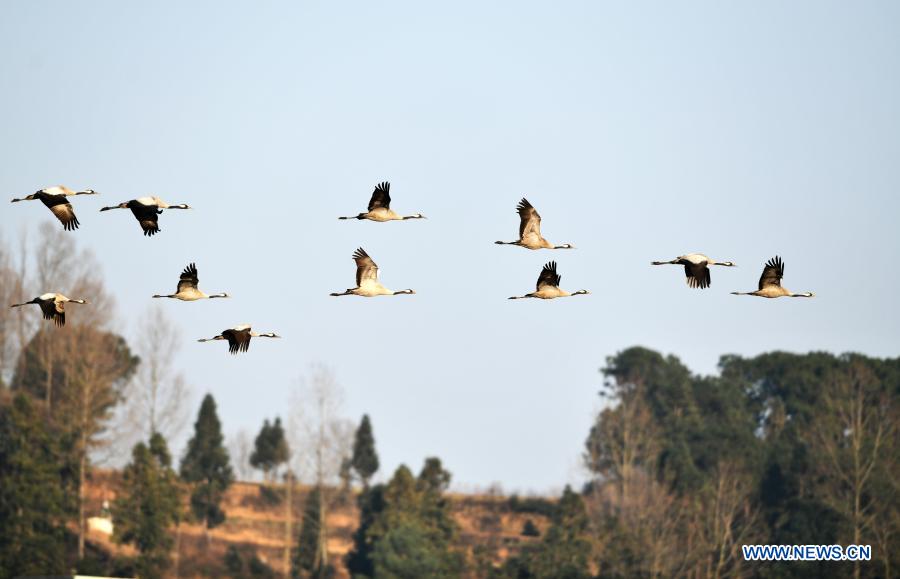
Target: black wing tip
[383,186]
[72,224]
[550,266]
[524,204]
[360,253]
[237,347]
[695,282]
[777,264]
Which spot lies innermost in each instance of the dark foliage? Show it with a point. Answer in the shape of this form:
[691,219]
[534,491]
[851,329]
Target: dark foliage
[364,460]
[205,464]
[33,509]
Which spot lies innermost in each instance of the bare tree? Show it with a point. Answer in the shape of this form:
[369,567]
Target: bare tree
[623,450]
[51,257]
[60,267]
[288,520]
[14,324]
[853,435]
[78,370]
[99,365]
[156,400]
[240,447]
[723,519]
[321,439]
[86,366]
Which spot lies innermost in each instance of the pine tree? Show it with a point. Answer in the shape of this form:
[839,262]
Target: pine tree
[270,448]
[564,551]
[278,443]
[365,459]
[433,480]
[529,529]
[151,503]
[32,505]
[259,458]
[234,563]
[371,506]
[305,556]
[206,466]
[406,527]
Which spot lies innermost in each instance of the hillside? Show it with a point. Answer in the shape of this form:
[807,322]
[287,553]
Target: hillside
[490,527]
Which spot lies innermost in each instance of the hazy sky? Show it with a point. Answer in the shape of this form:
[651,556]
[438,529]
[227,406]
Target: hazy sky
[639,130]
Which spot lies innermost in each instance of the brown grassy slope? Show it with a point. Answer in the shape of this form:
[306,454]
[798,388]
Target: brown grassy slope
[256,527]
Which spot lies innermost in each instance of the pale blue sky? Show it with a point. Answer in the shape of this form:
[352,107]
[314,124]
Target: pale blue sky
[640,131]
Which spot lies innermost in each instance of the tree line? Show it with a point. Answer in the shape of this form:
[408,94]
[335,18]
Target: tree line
[682,469]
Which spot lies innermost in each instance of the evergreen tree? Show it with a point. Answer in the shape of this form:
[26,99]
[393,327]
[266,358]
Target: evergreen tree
[529,529]
[206,466]
[305,564]
[433,478]
[407,551]
[33,511]
[234,563]
[270,448]
[564,551]
[406,527]
[434,507]
[150,504]
[371,504]
[252,568]
[365,459]
[259,458]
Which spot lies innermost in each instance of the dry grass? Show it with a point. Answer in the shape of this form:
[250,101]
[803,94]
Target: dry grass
[258,528]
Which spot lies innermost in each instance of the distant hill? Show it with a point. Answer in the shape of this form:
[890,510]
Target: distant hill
[257,526]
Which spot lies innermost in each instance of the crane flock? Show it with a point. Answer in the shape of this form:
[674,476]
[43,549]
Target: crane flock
[148,209]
